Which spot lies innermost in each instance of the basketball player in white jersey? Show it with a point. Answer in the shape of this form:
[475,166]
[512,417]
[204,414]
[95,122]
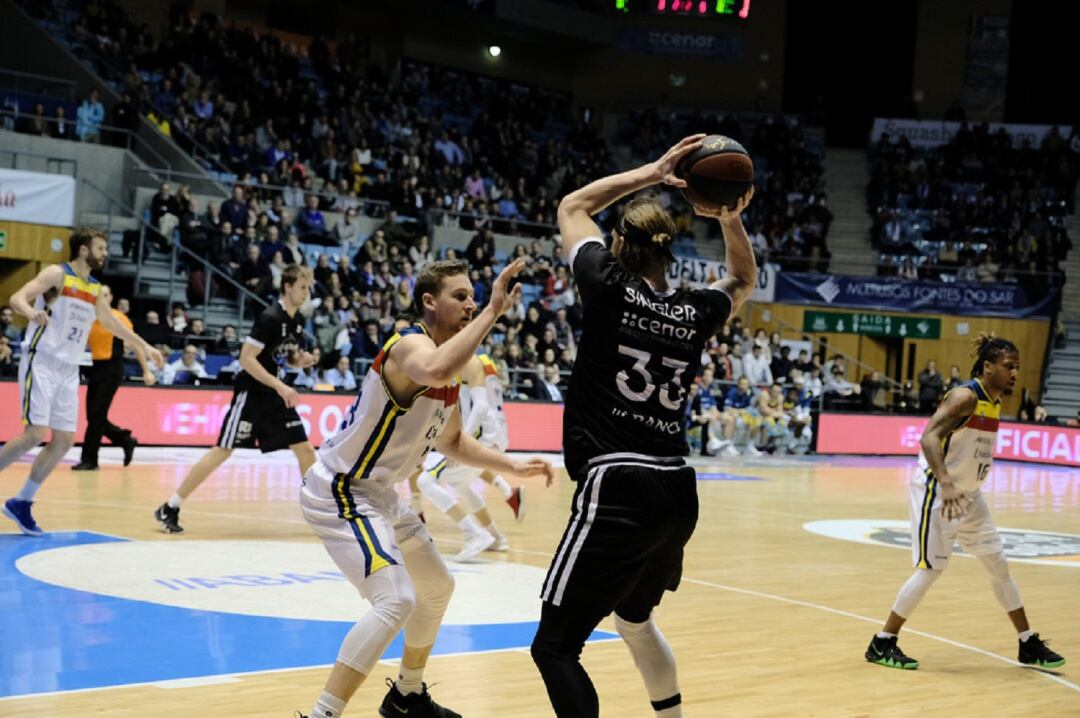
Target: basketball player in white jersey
[448,484]
[947,504]
[61,302]
[405,409]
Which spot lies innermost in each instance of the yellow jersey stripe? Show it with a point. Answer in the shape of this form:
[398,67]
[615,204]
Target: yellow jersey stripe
[924,523]
[382,437]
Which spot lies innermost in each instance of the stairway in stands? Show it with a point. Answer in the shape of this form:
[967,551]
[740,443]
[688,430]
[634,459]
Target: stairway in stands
[849,235]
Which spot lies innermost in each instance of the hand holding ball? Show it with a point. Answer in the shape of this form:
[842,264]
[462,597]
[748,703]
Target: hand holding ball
[717,174]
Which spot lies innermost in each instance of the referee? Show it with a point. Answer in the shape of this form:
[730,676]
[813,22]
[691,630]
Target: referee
[103,380]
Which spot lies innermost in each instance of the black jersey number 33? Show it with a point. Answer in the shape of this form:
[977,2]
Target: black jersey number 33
[640,351]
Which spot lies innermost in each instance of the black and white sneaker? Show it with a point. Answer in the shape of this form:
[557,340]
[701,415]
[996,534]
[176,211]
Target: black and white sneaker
[412,705]
[169,518]
[1035,652]
[885,652]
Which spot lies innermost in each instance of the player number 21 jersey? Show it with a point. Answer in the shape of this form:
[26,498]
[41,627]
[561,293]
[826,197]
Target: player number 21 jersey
[71,315]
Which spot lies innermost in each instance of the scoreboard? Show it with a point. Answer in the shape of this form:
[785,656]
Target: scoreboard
[687,8]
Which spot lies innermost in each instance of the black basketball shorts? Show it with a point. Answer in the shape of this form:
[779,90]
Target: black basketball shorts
[623,545]
[260,418]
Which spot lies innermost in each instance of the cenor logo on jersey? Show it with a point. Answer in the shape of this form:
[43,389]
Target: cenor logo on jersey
[1023,545]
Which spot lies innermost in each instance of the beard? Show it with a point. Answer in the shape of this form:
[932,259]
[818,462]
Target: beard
[95,263]
[1008,391]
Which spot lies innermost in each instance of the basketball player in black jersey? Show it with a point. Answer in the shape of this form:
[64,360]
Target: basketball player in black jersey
[263,406]
[636,503]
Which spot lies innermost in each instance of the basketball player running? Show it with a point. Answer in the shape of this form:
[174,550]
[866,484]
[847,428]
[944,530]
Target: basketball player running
[405,409]
[636,503]
[947,504]
[263,409]
[448,484]
[61,302]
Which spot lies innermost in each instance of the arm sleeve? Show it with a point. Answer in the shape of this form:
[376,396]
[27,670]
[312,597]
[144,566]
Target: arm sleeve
[478,411]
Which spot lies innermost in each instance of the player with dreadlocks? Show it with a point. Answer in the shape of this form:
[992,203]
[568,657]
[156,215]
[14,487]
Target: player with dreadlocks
[948,506]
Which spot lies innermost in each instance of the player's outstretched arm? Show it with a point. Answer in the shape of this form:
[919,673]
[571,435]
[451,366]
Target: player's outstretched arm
[576,209]
[464,449]
[951,415]
[22,300]
[428,365]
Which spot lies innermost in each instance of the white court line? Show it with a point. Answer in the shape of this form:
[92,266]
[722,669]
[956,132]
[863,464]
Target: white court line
[195,682]
[877,621]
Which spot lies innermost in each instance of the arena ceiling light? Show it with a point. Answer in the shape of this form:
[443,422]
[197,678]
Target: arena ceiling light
[494,50]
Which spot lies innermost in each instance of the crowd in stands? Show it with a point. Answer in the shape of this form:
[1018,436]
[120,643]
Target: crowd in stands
[976,209]
[474,150]
[85,126]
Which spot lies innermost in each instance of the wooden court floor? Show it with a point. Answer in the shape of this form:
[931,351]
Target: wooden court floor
[771,620]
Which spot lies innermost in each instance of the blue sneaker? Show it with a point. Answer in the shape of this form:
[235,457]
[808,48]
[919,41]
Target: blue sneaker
[19,512]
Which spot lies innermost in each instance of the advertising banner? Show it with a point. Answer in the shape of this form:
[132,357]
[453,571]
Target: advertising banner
[879,434]
[927,134]
[193,417]
[37,198]
[985,300]
[703,272]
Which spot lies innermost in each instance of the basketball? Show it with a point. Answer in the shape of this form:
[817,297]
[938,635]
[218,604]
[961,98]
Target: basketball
[717,173]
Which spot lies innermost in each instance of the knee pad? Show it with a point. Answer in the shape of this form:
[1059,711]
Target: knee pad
[913,590]
[443,499]
[434,586]
[1005,589]
[470,500]
[629,630]
[391,594]
[392,599]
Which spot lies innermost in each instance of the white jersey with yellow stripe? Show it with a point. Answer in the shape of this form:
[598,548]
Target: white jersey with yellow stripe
[969,449]
[380,440]
[71,315]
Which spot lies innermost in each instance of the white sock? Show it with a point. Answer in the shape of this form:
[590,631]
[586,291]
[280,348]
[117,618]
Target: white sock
[883,634]
[494,530]
[328,706]
[471,526]
[1024,635]
[409,680]
[415,504]
[175,501]
[501,484]
[28,491]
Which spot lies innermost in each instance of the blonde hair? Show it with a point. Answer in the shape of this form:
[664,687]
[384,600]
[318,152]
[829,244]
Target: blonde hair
[430,278]
[648,232]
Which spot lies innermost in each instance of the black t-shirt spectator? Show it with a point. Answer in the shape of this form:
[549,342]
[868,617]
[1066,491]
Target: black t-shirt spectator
[159,206]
